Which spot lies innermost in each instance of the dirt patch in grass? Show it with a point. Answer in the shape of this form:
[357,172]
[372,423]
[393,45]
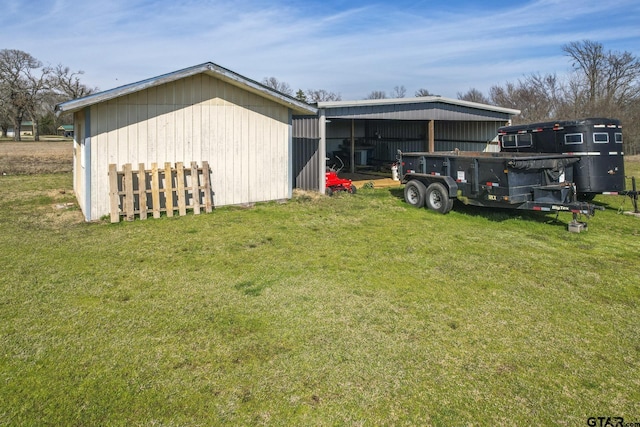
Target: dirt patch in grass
[28,157]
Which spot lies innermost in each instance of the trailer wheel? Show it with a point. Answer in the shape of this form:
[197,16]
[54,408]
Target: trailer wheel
[415,193]
[438,198]
[586,197]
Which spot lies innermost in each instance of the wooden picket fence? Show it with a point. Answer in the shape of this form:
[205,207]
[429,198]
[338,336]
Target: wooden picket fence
[140,192]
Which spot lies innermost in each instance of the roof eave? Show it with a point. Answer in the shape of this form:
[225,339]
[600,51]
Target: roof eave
[298,107]
[418,100]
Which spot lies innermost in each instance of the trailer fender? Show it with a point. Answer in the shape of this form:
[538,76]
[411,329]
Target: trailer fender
[452,186]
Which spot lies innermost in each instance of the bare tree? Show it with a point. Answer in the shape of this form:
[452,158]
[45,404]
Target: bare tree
[67,83]
[543,97]
[5,120]
[322,95]
[473,95]
[423,92]
[606,84]
[377,94]
[4,126]
[399,92]
[23,80]
[29,90]
[632,127]
[39,88]
[607,79]
[538,97]
[274,83]
[64,85]
[589,58]
[505,96]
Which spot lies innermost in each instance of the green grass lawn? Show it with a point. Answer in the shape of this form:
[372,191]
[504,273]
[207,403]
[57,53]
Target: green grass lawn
[351,310]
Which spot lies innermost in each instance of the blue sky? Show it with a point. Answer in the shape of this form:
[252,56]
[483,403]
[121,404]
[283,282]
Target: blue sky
[349,47]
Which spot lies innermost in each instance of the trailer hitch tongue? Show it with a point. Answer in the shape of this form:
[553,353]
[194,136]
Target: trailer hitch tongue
[593,208]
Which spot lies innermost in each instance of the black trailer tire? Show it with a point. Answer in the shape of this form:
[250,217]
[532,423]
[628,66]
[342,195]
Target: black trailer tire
[586,197]
[415,193]
[438,198]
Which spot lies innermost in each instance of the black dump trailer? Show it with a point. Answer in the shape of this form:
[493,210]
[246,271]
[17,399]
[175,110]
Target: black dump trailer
[538,182]
[598,142]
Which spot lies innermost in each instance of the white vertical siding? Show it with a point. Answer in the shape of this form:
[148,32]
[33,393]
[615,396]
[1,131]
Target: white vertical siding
[243,136]
[142,111]
[78,155]
[152,127]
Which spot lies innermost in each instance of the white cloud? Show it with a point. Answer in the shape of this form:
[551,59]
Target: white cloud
[314,44]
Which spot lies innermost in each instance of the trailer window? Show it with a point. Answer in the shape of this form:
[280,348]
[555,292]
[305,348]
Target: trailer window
[508,141]
[573,138]
[600,138]
[524,140]
[618,138]
[516,141]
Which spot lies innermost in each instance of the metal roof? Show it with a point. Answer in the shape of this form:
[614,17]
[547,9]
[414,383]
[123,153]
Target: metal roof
[209,68]
[421,108]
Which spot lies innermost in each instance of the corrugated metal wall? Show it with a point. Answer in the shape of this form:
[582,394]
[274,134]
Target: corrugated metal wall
[243,136]
[458,127]
[388,136]
[306,141]
[306,127]
[305,163]
[465,136]
[478,132]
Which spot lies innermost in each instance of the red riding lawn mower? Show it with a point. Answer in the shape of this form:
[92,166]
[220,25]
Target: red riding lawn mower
[334,183]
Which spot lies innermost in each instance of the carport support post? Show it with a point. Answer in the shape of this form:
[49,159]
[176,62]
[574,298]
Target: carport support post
[322,150]
[430,136]
[353,146]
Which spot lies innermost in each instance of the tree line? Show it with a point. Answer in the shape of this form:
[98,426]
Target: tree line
[30,90]
[601,83]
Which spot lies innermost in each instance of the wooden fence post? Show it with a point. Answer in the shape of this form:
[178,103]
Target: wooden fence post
[207,187]
[195,188]
[155,190]
[182,206]
[114,196]
[142,191]
[129,210]
[168,188]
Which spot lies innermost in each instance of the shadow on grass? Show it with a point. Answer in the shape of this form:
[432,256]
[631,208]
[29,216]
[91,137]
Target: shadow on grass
[504,214]
[615,203]
[500,214]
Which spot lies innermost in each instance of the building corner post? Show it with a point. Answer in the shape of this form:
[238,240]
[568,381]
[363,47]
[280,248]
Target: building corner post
[322,150]
[291,182]
[87,163]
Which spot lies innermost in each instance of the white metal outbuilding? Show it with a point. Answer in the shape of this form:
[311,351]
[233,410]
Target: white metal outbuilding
[203,113]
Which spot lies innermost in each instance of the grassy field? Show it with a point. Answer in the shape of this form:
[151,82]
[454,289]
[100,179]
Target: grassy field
[52,155]
[351,310]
